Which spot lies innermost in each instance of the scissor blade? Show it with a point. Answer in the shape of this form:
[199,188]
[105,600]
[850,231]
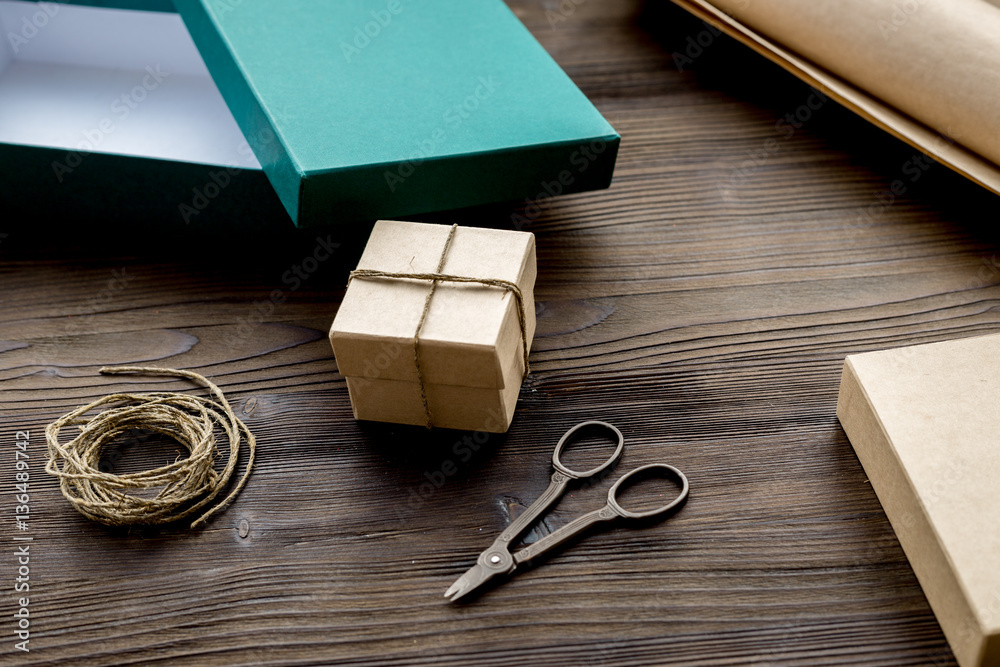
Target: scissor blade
[474,577]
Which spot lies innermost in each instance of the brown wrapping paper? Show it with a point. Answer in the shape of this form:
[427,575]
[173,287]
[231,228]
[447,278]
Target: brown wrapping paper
[925,423]
[928,71]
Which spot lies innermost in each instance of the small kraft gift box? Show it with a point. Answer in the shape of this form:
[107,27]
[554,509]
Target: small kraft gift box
[436,325]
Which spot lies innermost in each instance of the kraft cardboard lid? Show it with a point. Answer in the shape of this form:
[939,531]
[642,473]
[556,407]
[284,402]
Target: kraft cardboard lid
[368,109]
[924,420]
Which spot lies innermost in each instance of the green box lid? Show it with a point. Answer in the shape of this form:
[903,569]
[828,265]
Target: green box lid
[367,109]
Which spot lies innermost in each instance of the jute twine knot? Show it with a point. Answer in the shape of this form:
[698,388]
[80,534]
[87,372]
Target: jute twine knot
[435,278]
[185,486]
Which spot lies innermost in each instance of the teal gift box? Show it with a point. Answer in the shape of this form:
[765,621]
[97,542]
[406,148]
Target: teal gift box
[355,109]
[110,118]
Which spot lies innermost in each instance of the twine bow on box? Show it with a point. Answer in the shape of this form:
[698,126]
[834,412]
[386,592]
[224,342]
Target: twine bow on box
[434,279]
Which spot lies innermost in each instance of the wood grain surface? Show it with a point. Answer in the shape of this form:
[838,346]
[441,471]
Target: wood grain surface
[704,304]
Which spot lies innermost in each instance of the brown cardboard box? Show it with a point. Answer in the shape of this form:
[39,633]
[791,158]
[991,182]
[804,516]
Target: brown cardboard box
[925,423]
[471,350]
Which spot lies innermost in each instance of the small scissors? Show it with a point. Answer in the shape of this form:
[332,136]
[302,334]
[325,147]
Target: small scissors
[498,560]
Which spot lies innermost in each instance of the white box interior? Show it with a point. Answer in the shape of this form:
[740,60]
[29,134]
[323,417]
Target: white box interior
[81,78]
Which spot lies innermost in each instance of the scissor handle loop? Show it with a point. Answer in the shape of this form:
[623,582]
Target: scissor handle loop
[573,474]
[672,472]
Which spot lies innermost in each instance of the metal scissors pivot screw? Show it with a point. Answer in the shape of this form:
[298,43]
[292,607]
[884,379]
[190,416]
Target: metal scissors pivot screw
[498,560]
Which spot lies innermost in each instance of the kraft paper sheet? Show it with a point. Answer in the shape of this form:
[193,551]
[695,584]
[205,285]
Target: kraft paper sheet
[928,71]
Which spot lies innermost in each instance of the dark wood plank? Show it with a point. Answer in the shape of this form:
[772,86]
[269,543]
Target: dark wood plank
[704,303]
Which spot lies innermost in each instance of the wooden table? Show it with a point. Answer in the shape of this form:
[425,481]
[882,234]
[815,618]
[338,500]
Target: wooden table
[704,304]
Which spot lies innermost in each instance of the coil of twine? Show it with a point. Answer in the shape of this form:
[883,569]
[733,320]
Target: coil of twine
[183,488]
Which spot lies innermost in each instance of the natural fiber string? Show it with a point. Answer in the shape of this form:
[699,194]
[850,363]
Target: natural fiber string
[190,420]
[435,278]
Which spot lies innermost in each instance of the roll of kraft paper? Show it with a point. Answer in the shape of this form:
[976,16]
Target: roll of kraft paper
[936,60]
[926,70]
